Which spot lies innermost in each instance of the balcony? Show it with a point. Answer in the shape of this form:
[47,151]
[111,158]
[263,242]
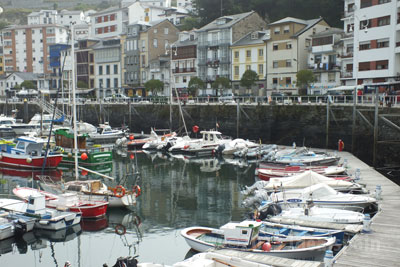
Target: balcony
[183,70]
[323,67]
[214,63]
[347,55]
[347,74]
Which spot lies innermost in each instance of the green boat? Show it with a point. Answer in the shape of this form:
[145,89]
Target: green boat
[87,155]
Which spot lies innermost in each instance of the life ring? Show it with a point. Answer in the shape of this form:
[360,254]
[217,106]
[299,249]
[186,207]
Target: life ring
[120,229]
[137,190]
[119,191]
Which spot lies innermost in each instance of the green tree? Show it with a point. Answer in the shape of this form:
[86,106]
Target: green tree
[189,23]
[195,84]
[221,83]
[304,79]
[249,79]
[82,85]
[28,85]
[154,86]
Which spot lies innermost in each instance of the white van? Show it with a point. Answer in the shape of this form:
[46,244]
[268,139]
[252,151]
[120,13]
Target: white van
[229,97]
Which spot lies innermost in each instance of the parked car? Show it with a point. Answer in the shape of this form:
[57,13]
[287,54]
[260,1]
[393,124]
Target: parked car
[116,98]
[230,97]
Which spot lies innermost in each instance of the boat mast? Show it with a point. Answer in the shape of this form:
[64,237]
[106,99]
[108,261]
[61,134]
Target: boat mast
[73,100]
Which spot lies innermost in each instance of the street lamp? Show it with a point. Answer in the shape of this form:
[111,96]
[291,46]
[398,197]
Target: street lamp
[169,49]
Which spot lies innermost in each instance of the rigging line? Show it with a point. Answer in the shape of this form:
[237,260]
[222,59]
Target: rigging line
[54,113]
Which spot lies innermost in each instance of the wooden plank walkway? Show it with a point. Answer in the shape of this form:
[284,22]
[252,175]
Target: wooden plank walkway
[381,247]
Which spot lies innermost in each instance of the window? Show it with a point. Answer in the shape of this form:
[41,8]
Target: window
[331,76]
[277,30]
[236,54]
[177,79]
[248,53]
[184,79]
[384,21]
[100,70]
[155,30]
[288,63]
[383,1]
[108,83]
[143,60]
[365,46]
[288,80]
[107,69]
[248,67]
[260,69]
[155,43]
[91,70]
[166,30]
[382,43]
[382,65]
[275,80]
[236,71]
[365,3]
[275,64]
[115,69]
[286,29]
[288,46]
[115,82]
[275,47]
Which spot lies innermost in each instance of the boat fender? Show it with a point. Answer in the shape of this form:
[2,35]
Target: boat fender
[29,160]
[69,155]
[120,229]
[84,156]
[266,246]
[137,190]
[119,191]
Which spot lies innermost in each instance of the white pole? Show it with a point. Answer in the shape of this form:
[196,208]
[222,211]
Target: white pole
[73,101]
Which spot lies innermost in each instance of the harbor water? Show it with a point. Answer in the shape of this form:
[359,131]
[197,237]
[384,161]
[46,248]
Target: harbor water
[177,192]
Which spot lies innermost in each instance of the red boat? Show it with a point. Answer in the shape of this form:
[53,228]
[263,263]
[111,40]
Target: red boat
[28,153]
[265,172]
[67,201]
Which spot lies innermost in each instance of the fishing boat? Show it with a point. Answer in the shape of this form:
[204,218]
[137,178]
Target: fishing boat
[266,172]
[105,134]
[325,196]
[28,153]
[87,155]
[66,201]
[245,236]
[46,218]
[117,196]
[304,156]
[207,145]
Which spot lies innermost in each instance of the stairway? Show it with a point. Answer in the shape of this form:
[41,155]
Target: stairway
[49,108]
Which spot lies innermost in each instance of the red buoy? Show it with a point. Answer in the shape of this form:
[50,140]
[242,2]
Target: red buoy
[266,246]
[84,172]
[131,137]
[84,156]
[195,129]
[131,156]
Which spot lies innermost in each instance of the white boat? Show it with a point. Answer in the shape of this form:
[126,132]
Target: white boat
[177,145]
[106,134]
[96,190]
[325,196]
[49,219]
[309,178]
[310,213]
[207,145]
[244,236]
[14,224]
[158,142]
[5,126]
[303,156]
[229,148]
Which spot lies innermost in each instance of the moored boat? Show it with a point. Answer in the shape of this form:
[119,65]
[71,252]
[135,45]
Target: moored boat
[244,236]
[66,201]
[28,153]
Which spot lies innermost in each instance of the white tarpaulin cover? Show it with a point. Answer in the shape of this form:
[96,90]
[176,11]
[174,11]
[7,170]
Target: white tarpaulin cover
[306,179]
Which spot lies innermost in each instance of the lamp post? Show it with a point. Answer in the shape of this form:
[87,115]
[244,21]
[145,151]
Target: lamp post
[169,48]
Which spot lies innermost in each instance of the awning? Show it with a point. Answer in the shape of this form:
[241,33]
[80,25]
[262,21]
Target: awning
[346,88]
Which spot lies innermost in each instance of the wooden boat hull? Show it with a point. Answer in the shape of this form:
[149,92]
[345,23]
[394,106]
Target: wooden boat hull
[308,248]
[94,158]
[29,162]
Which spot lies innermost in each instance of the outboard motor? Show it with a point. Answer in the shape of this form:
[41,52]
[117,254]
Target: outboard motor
[20,227]
[272,210]
[126,262]
[220,148]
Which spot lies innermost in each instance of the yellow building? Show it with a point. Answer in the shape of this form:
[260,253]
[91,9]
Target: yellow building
[249,53]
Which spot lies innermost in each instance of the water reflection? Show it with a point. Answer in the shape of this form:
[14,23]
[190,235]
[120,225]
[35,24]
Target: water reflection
[177,192]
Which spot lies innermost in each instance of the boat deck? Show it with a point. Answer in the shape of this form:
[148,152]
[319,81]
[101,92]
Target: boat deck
[380,247]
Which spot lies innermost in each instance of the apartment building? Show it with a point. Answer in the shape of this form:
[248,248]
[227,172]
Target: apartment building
[186,4]
[376,43]
[287,51]
[66,17]
[26,47]
[184,60]
[249,53]
[215,40]
[110,23]
[163,3]
[146,42]
[60,62]
[1,61]
[85,65]
[42,17]
[324,59]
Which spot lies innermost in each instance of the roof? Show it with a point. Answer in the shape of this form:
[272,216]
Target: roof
[307,23]
[107,44]
[232,20]
[248,40]
[108,10]
[310,24]
[16,27]
[26,76]
[289,20]
[70,12]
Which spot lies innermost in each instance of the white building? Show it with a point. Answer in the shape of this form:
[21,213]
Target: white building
[110,22]
[324,59]
[186,4]
[376,43]
[66,17]
[163,3]
[42,17]
[9,82]
[26,46]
